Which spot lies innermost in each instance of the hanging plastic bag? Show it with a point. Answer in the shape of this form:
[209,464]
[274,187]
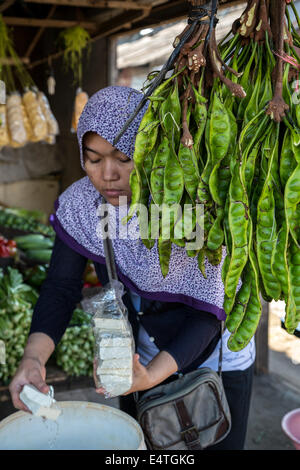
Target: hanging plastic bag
[27,125]
[81,99]
[114,342]
[15,123]
[36,117]
[52,123]
[4,137]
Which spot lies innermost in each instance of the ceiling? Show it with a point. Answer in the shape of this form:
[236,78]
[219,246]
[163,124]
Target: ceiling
[31,19]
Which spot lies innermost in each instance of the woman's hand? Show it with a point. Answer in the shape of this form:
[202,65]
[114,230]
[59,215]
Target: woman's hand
[140,377]
[144,378]
[30,371]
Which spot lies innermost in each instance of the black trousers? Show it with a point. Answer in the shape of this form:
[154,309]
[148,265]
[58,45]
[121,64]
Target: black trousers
[238,388]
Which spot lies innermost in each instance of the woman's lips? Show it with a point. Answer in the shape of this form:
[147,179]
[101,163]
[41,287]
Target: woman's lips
[113,192]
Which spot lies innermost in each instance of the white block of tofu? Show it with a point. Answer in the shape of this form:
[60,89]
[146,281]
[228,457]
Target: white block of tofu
[113,372]
[110,324]
[115,342]
[39,403]
[115,384]
[114,352]
[121,363]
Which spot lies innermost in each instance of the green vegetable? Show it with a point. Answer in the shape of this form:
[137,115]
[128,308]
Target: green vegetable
[75,352]
[74,40]
[10,219]
[41,256]
[17,300]
[33,242]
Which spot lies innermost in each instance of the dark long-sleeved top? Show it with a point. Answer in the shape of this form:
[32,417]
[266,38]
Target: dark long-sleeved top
[189,335]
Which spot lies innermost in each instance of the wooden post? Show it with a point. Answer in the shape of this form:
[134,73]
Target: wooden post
[262,341]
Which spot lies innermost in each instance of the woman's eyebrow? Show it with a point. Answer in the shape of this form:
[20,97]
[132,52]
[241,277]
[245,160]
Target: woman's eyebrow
[85,148]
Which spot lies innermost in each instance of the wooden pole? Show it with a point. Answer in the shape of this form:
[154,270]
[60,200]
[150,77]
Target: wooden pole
[107,28]
[48,23]
[262,341]
[39,33]
[124,5]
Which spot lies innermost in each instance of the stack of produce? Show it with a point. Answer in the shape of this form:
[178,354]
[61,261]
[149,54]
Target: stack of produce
[17,300]
[75,352]
[36,247]
[224,132]
[26,116]
[8,248]
[24,220]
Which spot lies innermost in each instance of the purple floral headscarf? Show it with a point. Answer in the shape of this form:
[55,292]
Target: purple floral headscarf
[76,220]
[106,112]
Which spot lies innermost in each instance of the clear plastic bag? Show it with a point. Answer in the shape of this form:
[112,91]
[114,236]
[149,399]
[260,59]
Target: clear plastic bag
[36,117]
[114,342]
[4,137]
[81,99]
[52,123]
[15,124]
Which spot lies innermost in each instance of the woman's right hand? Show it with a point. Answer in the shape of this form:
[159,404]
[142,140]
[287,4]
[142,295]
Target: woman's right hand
[30,371]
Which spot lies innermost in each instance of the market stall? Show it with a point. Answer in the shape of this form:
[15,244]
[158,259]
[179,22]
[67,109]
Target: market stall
[246,176]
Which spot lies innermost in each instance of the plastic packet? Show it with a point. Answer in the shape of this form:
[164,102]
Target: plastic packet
[4,137]
[114,342]
[81,99]
[26,123]
[15,123]
[52,123]
[36,117]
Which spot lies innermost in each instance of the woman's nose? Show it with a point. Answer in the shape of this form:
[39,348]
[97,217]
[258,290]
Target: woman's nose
[110,171]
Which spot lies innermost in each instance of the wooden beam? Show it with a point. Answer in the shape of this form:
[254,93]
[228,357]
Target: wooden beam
[11,61]
[48,23]
[105,30]
[39,33]
[125,5]
[6,4]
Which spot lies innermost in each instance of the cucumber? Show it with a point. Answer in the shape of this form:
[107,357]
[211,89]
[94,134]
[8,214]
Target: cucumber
[43,256]
[33,241]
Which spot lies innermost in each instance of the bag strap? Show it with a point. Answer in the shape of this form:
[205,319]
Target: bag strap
[109,254]
[222,325]
[189,432]
[110,259]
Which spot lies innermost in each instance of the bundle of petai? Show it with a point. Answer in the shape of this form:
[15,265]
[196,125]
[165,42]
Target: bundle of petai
[223,132]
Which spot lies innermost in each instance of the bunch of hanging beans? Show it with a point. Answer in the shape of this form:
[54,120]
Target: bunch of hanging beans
[242,164]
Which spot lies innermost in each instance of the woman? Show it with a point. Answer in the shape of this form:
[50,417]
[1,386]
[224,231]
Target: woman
[175,320]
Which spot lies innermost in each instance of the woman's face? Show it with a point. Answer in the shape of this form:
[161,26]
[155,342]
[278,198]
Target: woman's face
[107,167]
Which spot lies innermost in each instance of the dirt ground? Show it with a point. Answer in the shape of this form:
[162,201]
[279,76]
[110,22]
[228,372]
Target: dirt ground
[278,392]
[274,394]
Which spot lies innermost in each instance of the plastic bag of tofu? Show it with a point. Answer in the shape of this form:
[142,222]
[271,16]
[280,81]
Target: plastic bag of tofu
[114,342]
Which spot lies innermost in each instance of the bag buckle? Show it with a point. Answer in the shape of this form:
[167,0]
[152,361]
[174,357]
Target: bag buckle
[190,434]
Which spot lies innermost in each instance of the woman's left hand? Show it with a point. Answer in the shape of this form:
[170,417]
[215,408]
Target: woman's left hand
[161,367]
[140,377]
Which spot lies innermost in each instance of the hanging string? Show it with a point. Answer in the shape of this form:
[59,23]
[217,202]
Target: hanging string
[196,15]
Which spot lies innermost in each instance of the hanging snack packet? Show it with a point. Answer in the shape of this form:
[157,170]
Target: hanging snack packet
[52,123]
[36,117]
[81,99]
[4,137]
[15,124]
[114,342]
